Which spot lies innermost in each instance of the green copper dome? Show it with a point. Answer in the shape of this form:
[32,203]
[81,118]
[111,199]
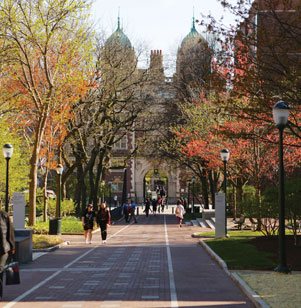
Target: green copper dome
[193,36]
[118,37]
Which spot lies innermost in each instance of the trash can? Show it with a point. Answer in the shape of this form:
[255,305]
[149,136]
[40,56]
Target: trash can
[55,226]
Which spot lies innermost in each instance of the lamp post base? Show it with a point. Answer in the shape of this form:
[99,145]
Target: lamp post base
[282,269]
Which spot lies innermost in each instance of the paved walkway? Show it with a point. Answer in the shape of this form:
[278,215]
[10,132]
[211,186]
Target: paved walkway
[150,264]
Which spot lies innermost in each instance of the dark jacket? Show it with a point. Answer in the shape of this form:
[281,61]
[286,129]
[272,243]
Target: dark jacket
[103,215]
[7,236]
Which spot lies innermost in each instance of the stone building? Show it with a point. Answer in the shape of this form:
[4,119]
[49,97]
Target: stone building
[272,31]
[143,172]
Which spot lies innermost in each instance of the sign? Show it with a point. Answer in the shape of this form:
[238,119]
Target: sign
[220,216]
[19,210]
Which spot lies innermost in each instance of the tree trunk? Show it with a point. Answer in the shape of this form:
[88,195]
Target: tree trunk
[259,214]
[78,191]
[213,180]
[33,186]
[45,194]
[84,194]
[34,161]
[99,177]
[234,200]
[93,188]
[239,194]
[205,191]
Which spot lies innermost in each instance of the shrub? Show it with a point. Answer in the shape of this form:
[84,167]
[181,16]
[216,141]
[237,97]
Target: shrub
[261,210]
[67,207]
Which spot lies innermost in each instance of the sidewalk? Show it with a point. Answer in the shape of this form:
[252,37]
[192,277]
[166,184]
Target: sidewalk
[150,264]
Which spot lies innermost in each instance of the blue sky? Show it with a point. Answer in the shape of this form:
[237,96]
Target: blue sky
[159,24]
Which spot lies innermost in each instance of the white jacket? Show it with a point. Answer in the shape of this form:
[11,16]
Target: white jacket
[181,211]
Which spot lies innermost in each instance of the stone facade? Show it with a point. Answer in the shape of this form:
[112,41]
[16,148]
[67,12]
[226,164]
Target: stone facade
[144,172]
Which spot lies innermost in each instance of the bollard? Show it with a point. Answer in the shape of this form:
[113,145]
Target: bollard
[173,210]
[137,211]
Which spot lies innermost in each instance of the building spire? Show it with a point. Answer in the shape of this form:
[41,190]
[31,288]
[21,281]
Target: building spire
[118,19]
[193,20]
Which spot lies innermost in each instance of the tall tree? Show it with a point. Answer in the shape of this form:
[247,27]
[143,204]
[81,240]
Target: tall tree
[110,112]
[262,53]
[43,41]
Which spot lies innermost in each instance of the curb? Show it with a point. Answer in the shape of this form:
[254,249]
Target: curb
[253,296]
[195,235]
[51,248]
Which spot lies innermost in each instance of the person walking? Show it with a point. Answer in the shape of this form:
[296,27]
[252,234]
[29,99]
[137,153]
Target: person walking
[147,207]
[159,203]
[88,219]
[103,219]
[115,200]
[132,211]
[7,243]
[180,211]
[162,205]
[126,211]
[162,192]
[154,204]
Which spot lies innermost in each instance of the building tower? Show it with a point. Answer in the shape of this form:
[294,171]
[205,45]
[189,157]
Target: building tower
[193,63]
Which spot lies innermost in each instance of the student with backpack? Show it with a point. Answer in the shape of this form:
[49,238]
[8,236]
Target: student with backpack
[132,211]
[103,219]
[126,212]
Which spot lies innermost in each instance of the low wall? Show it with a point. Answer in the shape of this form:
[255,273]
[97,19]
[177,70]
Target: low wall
[23,242]
[207,214]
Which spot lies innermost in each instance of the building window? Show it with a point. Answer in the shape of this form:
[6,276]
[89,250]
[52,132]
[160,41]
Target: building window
[117,163]
[121,144]
[166,94]
[117,187]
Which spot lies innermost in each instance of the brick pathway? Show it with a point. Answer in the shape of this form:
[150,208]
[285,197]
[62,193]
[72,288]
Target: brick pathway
[150,264]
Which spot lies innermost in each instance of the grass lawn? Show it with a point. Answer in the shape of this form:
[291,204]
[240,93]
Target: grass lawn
[238,253]
[234,233]
[240,233]
[40,241]
[69,224]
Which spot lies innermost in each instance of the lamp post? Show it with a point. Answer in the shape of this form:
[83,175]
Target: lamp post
[193,181]
[59,171]
[280,115]
[110,187]
[225,157]
[7,152]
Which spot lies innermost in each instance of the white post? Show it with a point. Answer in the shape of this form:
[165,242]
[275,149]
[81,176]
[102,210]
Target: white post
[19,210]
[220,227]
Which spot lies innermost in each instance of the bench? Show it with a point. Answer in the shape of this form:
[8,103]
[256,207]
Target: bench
[240,222]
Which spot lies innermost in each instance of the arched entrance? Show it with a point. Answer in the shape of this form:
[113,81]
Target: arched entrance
[155,183]
[149,173]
